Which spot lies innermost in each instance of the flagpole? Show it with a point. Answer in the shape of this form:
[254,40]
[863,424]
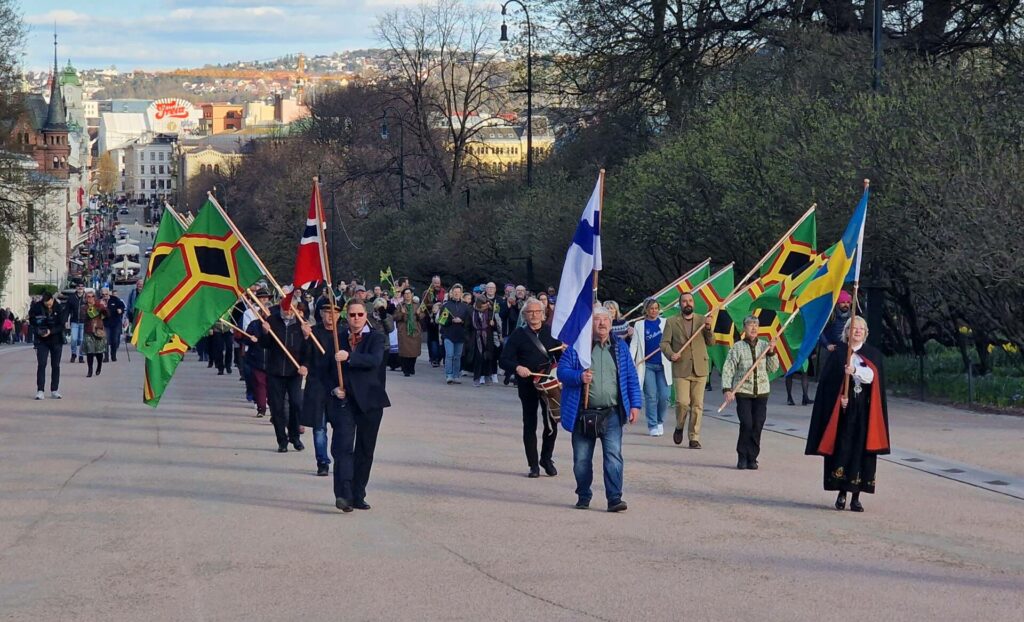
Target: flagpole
[325,258]
[668,287]
[743,378]
[274,336]
[259,262]
[593,297]
[706,315]
[776,247]
[853,307]
[176,215]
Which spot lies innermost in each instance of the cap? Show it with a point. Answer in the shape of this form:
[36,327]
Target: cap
[360,288]
[262,293]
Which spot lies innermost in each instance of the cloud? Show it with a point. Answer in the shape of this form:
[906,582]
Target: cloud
[61,17]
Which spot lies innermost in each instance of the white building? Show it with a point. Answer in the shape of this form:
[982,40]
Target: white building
[149,167]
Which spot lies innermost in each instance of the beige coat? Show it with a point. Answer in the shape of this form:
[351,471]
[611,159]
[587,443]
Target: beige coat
[409,346]
[693,362]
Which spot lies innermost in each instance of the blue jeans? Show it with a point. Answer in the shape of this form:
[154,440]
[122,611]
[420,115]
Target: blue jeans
[320,443]
[655,396]
[583,461]
[77,332]
[452,359]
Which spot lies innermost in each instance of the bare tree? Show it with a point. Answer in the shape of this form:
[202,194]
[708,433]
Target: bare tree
[445,74]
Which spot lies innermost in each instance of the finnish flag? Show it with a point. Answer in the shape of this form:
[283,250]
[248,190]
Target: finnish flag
[574,307]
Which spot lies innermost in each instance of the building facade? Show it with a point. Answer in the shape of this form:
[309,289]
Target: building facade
[149,167]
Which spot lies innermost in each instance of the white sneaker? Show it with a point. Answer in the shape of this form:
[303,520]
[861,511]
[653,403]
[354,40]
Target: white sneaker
[661,429]
[483,381]
[494,378]
[56,395]
[652,431]
[39,395]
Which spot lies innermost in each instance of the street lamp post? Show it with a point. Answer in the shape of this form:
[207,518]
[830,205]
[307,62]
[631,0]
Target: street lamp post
[384,134]
[529,82]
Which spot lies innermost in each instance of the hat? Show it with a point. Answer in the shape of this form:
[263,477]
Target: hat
[844,296]
[325,304]
[360,288]
[262,293]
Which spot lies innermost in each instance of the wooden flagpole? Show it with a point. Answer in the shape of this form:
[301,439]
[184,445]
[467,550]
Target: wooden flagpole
[771,345]
[665,289]
[710,312]
[600,208]
[176,215]
[259,262]
[274,336]
[325,259]
[853,310]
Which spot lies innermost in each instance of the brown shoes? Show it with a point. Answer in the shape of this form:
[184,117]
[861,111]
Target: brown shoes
[677,437]
[694,444]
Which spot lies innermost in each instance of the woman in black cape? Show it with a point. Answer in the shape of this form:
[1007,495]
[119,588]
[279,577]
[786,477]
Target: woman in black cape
[850,431]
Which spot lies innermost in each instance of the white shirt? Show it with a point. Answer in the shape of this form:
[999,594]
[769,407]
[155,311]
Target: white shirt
[861,372]
[248,318]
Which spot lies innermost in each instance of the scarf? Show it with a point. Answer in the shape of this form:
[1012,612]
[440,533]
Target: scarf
[92,312]
[410,319]
[353,340]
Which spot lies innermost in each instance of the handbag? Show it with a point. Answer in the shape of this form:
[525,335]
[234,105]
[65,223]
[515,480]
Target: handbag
[594,421]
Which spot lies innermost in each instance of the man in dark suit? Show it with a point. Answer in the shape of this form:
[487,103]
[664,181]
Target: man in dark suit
[355,414]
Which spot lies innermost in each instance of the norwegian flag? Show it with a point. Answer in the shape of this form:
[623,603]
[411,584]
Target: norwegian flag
[309,264]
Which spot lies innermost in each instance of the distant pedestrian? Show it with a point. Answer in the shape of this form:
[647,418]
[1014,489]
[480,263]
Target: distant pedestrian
[408,320]
[48,317]
[95,333]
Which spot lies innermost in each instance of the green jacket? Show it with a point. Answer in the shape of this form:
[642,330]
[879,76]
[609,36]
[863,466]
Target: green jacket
[740,358]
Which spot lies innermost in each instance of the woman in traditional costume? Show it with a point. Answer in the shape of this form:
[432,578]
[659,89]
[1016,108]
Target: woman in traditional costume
[850,429]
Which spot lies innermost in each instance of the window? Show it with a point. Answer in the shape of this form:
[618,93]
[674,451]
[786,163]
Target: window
[31,258]
[152,169]
[152,155]
[56,162]
[152,184]
[216,168]
[161,156]
[142,184]
[142,170]
[161,169]
[160,184]
[202,168]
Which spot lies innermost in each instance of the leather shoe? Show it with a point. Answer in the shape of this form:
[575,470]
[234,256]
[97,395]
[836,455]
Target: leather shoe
[694,444]
[806,401]
[549,467]
[841,501]
[752,465]
[741,464]
[323,469]
[534,472]
[343,504]
[297,444]
[361,504]
[855,506]
[789,401]
[677,437]
[618,506]
[282,449]
[583,504]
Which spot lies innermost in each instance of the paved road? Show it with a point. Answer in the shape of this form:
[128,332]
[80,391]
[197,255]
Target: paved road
[112,511]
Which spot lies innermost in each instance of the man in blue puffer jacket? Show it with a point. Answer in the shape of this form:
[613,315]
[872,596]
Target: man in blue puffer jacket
[615,397]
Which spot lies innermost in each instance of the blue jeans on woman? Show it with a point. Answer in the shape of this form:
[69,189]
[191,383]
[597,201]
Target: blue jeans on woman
[452,359]
[656,392]
[583,461]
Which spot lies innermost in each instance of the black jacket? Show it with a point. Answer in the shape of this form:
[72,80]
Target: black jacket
[52,320]
[114,319]
[451,310]
[291,336]
[521,350]
[255,354]
[363,371]
[75,311]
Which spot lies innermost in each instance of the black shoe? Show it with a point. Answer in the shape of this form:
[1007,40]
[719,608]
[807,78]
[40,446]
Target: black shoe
[741,464]
[227,369]
[806,401]
[841,501]
[694,444]
[106,358]
[89,375]
[752,465]
[113,359]
[343,504]
[361,504]
[582,504]
[210,365]
[677,437]
[549,467]
[534,472]
[98,370]
[323,469]
[406,374]
[789,400]
[297,444]
[855,505]
[81,359]
[282,449]
[220,372]
[260,413]
[73,358]
[618,506]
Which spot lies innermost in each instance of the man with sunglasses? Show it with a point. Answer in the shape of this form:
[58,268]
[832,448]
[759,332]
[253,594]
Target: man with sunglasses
[354,414]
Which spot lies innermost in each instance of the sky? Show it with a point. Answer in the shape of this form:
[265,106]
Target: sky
[164,34]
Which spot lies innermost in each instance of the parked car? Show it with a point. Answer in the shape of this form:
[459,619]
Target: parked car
[123,210]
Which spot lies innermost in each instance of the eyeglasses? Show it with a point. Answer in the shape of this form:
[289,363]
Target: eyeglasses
[356,314]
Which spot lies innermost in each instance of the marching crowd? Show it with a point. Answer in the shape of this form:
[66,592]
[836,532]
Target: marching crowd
[291,366]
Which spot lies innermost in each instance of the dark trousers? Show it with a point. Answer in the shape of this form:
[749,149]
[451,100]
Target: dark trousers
[341,416]
[202,349]
[435,351]
[408,365]
[286,425]
[228,343]
[114,340]
[751,412]
[52,349]
[221,348]
[258,378]
[367,426]
[531,401]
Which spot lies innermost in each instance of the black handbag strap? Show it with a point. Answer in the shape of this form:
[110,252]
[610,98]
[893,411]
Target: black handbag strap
[536,341]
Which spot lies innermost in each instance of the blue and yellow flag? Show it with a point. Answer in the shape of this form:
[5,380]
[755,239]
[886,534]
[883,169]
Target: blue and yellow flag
[817,298]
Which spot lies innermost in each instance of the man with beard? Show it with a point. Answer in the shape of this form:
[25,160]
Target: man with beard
[689,368]
[832,336]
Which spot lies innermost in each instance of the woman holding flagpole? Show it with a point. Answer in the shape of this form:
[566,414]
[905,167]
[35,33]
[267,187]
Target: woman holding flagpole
[850,428]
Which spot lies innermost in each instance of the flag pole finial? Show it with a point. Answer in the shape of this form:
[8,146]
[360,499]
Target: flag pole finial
[867,182]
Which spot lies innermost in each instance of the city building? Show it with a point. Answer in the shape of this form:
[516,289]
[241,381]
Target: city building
[498,146]
[221,117]
[218,154]
[149,167]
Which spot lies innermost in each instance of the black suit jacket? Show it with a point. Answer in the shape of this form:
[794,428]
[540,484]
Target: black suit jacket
[362,371]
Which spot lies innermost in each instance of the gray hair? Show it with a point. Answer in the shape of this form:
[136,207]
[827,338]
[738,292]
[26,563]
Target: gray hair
[858,320]
[612,306]
[751,319]
[533,300]
[602,310]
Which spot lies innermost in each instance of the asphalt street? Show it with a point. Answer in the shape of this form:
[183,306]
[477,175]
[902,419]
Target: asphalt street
[110,510]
